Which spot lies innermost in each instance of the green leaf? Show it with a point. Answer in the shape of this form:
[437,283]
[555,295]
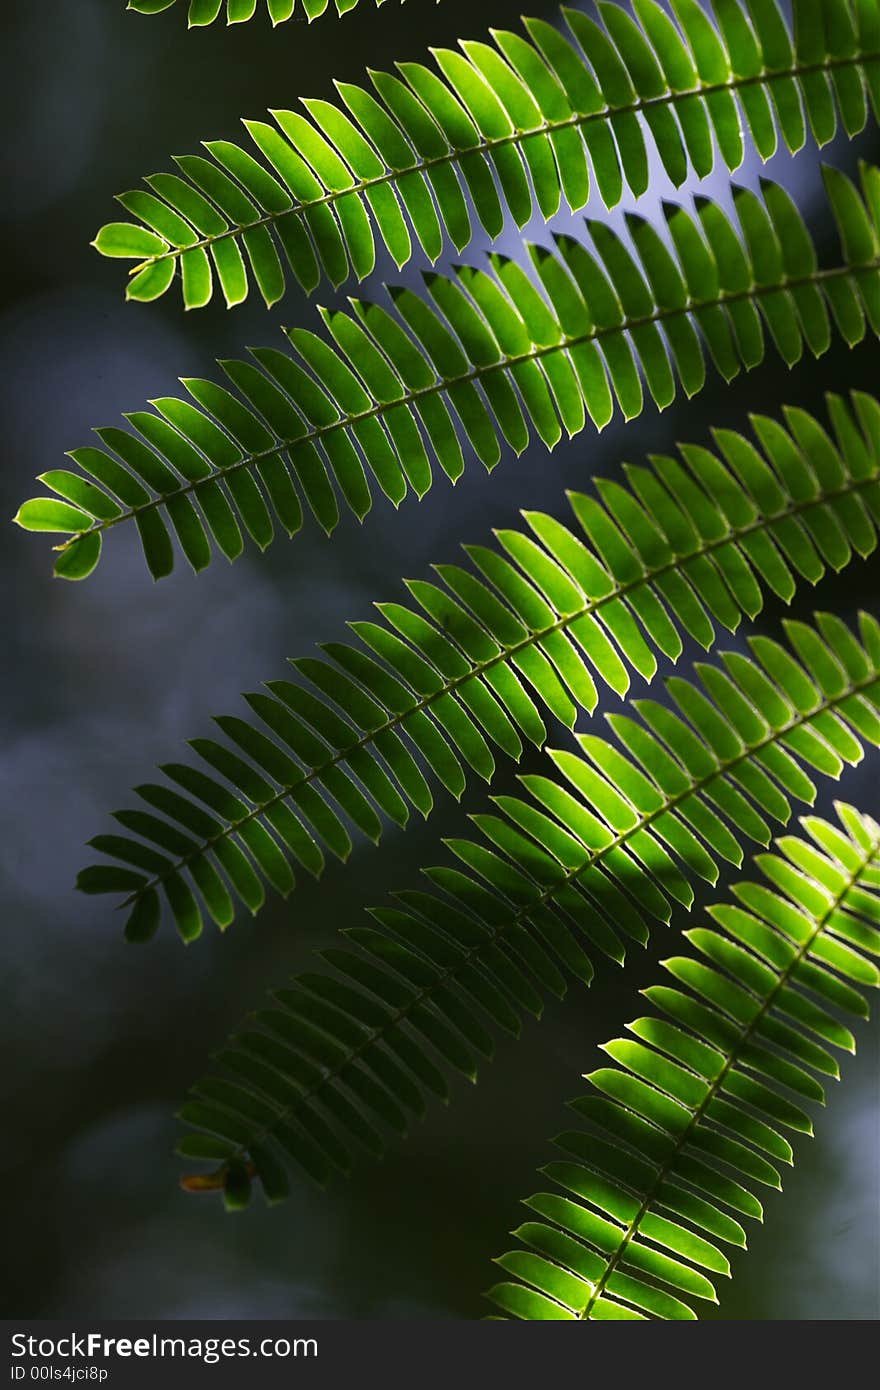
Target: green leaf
[202,12]
[478,364]
[534,626]
[46,514]
[637,1172]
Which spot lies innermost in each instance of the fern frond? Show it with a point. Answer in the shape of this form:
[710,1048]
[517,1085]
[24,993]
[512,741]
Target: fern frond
[490,357]
[528,628]
[511,128]
[203,12]
[688,1121]
[573,869]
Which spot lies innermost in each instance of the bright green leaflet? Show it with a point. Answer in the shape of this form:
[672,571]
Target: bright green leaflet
[509,127]
[486,358]
[531,627]
[580,863]
[640,1209]
[203,12]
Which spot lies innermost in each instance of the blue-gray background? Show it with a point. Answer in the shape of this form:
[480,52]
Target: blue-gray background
[102,680]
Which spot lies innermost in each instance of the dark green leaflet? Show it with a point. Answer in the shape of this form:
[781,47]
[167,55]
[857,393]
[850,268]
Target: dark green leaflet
[510,126]
[531,626]
[202,12]
[640,1193]
[485,359]
[575,867]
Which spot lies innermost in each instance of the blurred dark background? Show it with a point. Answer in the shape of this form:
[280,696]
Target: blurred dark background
[105,679]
